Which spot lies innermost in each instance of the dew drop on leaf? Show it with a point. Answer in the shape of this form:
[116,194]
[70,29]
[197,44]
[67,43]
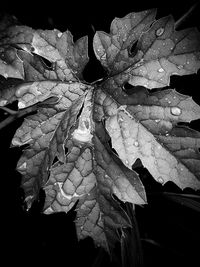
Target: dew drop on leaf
[180,66]
[21,105]
[120,119]
[175,111]
[3,102]
[136,143]
[159,31]
[49,210]
[161,70]
[160,180]
[22,167]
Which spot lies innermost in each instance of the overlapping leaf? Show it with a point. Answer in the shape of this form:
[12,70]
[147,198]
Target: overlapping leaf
[146,129]
[145,54]
[61,138]
[22,53]
[22,50]
[45,132]
[144,125]
[92,176]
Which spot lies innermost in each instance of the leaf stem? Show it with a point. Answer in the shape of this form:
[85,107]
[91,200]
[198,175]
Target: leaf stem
[8,110]
[14,115]
[184,16]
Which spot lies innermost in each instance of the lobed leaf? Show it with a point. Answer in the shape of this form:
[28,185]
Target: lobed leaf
[159,50]
[113,50]
[68,139]
[45,134]
[92,176]
[23,51]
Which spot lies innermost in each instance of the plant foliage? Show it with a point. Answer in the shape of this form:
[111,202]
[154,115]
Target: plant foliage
[68,139]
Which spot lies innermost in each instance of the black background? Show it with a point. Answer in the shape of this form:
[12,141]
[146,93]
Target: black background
[31,237]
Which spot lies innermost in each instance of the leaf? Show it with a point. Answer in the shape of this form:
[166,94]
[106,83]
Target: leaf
[45,134]
[64,155]
[113,49]
[147,131]
[68,140]
[143,125]
[92,176]
[22,50]
[159,50]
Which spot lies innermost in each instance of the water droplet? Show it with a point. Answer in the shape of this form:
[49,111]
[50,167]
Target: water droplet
[49,210]
[160,180]
[175,111]
[169,102]
[180,66]
[59,34]
[22,167]
[120,119]
[21,105]
[3,103]
[160,31]
[136,143]
[161,70]
[167,134]
[157,121]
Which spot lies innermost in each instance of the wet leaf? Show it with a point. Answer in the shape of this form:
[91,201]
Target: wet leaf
[147,129]
[23,51]
[84,139]
[159,53]
[92,176]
